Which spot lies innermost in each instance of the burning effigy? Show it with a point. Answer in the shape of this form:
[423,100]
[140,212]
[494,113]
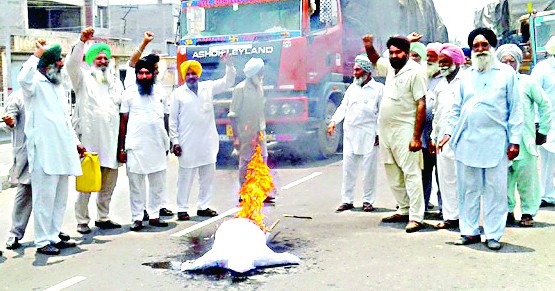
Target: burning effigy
[240,243]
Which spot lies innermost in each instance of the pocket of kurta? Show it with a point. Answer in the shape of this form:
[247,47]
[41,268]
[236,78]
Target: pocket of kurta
[91,180]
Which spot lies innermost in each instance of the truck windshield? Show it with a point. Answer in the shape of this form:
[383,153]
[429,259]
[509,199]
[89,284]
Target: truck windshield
[255,17]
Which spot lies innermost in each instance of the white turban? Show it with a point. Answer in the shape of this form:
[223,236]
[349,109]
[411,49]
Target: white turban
[364,63]
[253,66]
[510,49]
[550,45]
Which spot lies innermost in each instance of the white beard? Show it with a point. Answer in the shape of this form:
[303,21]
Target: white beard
[358,81]
[432,69]
[54,75]
[446,71]
[100,74]
[483,61]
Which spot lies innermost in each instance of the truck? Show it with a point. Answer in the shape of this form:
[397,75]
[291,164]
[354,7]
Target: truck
[308,47]
[535,29]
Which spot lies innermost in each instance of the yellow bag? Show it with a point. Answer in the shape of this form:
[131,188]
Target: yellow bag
[91,180]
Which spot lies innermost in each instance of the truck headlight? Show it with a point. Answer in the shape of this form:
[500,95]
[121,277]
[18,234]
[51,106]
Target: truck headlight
[272,109]
[287,109]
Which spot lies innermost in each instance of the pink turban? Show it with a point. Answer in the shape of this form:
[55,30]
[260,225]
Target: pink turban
[454,52]
[433,47]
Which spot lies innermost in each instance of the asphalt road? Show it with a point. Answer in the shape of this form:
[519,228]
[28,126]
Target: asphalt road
[338,251]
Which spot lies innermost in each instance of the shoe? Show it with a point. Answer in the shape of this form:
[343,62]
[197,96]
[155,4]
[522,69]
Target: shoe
[413,226]
[48,250]
[108,224]
[448,224]
[12,243]
[145,216]
[468,240]
[546,204]
[510,219]
[493,244]
[136,226]
[166,212]
[64,236]
[207,212]
[344,206]
[64,244]
[83,229]
[367,207]
[526,221]
[157,222]
[269,199]
[396,218]
[182,216]
[429,207]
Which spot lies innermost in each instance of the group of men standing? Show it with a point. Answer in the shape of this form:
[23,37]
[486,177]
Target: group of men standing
[134,125]
[480,126]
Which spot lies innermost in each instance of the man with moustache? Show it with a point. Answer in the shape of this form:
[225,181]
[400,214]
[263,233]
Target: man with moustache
[451,58]
[143,142]
[485,129]
[402,116]
[51,144]
[359,110]
[523,173]
[96,122]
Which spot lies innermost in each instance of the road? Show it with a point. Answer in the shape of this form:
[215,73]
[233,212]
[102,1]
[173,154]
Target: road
[338,251]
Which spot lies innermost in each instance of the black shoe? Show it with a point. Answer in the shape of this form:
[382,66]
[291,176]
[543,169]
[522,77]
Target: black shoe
[182,216]
[108,224]
[64,236]
[395,218]
[510,219]
[269,200]
[166,212]
[207,212]
[48,250]
[448,224]
[12,243]
[493,244]
[83,229]
[546,204]
[468,240]
[344,206]
[136,226]
[145,216]
[157,222]
[64,244]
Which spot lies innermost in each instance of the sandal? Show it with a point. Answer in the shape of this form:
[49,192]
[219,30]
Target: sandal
[345,206]
[526,221]
[367,207]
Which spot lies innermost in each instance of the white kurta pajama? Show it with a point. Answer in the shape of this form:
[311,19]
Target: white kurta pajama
[446,163]
[396,127]
[486,117]
[96,122]
[359,111]
[52,152]
[193,127]
[146,143]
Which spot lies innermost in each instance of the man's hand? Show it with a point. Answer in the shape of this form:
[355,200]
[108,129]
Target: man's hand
[87,34]
[442,142]
[40,47]
[81,150]
[236,143]
[177,150]
[148,37]
[226,59]
[9,120]
[368,40]
[431,148]
[122,156]
[415,145]
[513,151]
[377,141]
[414,37]
[540,138]
[331,128]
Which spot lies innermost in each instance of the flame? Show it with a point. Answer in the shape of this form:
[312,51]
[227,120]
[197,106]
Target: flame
[255,189]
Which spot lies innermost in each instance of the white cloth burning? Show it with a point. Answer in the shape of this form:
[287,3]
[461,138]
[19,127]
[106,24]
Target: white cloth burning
[239,245]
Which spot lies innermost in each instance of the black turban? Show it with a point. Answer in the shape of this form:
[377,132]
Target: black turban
[148,63]
[400,42]
[486,32]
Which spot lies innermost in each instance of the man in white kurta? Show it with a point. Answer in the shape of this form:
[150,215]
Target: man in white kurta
[544,73]
[451,58]
[194,136]
[402,116]
[485,129]
[96,122]
[359,111]
[143,144]
[51,145]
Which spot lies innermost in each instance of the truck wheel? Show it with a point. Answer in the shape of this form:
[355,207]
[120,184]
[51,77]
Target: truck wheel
[327,145]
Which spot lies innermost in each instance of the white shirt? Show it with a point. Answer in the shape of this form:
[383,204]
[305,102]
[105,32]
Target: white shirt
[544,73]
[96,116]
[192,123]
[359,110]
[51,140]
[19,173]
[146,137]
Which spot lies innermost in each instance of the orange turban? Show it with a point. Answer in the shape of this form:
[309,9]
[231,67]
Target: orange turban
[193,65]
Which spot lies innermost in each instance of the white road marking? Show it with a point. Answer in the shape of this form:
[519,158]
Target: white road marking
[206,222]
[66,283]
[300,181]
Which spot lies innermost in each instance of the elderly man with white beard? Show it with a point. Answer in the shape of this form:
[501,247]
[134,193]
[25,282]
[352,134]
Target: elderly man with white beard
[359,111]
[96,122]
[485,129]
[523,173]
[52,145]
